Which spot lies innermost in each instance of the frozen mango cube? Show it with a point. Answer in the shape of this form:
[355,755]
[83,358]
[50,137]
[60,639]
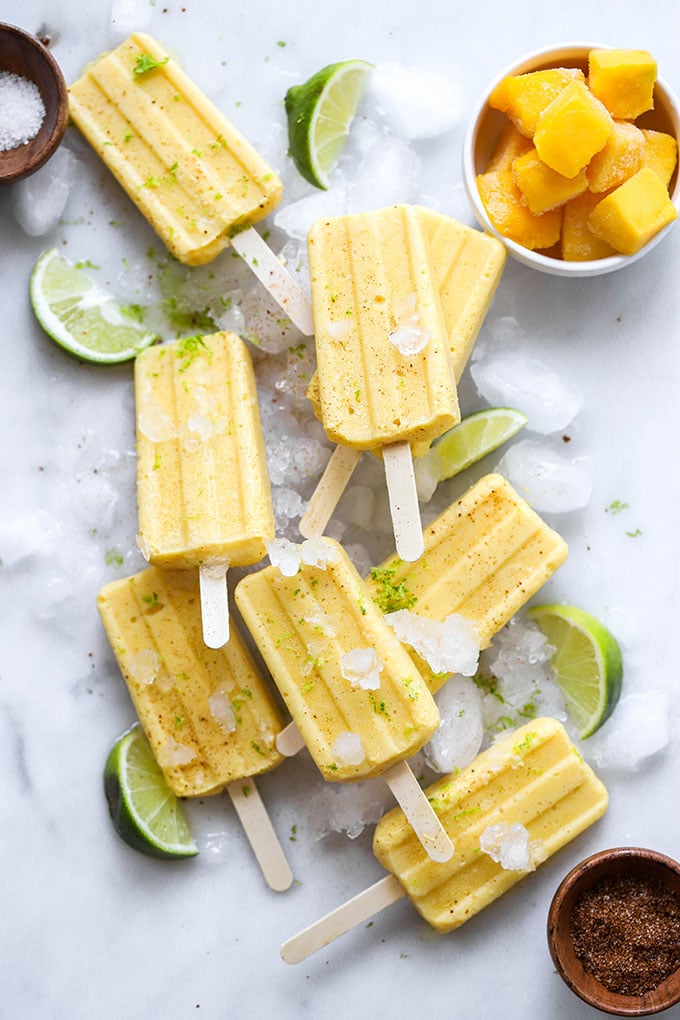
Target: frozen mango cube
[572,129]
[579,243]
[511,217]
[633,213]
[543,188]
[509,146]
[523,97]
[619,159]
[623,80]
[660,154]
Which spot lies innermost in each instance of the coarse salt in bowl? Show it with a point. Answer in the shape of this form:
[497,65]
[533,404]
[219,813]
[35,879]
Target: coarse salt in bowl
[486,125]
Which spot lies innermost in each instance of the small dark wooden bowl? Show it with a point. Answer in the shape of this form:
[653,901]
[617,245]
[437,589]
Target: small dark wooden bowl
[618,861]
[23,54]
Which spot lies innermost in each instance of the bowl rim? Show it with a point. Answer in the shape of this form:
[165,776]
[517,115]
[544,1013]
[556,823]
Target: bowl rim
[544,263]
[581,877]
[51,142]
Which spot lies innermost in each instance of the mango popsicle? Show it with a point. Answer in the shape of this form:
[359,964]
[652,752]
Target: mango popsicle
[359,703]
[197,180]
[507,812]
[208,715]
[467,266]
[385,378]
[203,492]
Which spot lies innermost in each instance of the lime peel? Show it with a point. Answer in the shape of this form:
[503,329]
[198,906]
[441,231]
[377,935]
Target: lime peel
[587,663]
[476,435]
[144,810]
[320,112]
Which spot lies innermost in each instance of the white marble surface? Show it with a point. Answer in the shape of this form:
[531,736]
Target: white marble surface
[91,928]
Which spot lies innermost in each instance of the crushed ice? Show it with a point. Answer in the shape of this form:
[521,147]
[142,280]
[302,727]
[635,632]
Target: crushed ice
[348,749]
[408,335]
[362,667]
[317,552]
[221,709]
[461,730]
[174,753]
[284,554]
[451,646]
[508,845]
[144,666]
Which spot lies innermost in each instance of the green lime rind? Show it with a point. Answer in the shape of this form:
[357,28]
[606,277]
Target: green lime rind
[80,316]
[587,663]
[475,436]
[144,810]
[320,112]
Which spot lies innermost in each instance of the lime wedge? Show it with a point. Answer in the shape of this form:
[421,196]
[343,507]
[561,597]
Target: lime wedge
[145,811]
[475,436]
[81,316]
[587,663]
[320,112]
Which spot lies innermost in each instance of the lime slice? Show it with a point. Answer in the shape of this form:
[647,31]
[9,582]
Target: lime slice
[320,112]
[145,811]
[81,316]
[475,436]
[587,663]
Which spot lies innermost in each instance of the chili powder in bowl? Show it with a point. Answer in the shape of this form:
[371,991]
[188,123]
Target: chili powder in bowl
[614,931]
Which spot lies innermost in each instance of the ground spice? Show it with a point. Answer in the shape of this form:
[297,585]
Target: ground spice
[626,933]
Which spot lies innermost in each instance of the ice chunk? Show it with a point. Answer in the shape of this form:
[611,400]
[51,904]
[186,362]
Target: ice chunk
[285,555]
[461,729]
[316,552]
[428,471]
[321,620]
[416,103]
[362,667]
[514,379]
[173,753]
[546,479]
[348,749]
[129,16]
[388,174]
[288,504]
[144,666]
[508,845]
[408,336]
[39,200]
[296,219]
[21,538]
[451,646]
[221,709]
[348,808]
[266,325]
[639,728]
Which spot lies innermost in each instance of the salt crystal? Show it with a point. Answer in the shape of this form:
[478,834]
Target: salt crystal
[418,104]
[221,709]
[639,728]
[144,666]
[317,552]
[362,667]
[428,472]
[284,554]
[408,336]
[321,620]
[461,730]
[388,174]
[38,201]
[173,753]
[451,646]
[514,379]
[348,749]
[22,110]
[546,479]
[508,845]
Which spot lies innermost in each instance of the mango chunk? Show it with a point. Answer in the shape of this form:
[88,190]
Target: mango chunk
[523,97]
[660,154]
[579,243]
[620,158]
[509,146]
[511,217]
[633,213]
[572,129]
[623,80]
[543,188]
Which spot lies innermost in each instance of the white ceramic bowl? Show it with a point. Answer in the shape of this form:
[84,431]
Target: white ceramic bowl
[486,125]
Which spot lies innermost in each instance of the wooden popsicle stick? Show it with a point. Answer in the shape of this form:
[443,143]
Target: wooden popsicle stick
[326,496]
[401,486]
[214,603]
[257,825]
[419,812]
[276,278]
[289,741]
[341,920]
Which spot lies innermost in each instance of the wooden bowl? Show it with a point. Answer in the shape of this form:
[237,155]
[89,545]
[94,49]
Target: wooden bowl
[486,125]
[618,861]
[23,54]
